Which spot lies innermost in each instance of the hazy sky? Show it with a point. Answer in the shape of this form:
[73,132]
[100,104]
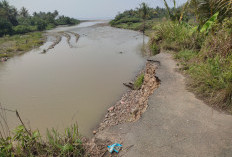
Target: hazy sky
[96,9]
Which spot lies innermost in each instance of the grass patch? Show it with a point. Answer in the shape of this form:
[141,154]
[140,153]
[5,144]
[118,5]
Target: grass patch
[11,45]
[139,82]
[185,55]
[23,143]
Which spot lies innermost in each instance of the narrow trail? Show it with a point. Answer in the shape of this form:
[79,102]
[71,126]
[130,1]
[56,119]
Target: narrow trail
[176,123]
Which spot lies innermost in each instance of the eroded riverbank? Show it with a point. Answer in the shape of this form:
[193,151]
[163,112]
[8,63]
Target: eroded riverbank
[128,109]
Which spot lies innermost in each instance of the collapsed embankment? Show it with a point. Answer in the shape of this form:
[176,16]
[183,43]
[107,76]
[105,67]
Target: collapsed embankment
[128,109]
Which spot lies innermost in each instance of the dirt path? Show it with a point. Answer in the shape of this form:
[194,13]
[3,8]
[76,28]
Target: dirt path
[176,124]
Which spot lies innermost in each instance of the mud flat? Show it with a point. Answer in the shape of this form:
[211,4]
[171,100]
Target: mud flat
[76,35]
[58,37]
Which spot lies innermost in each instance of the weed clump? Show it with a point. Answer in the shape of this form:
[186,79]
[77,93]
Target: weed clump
[139,82]
[32,143]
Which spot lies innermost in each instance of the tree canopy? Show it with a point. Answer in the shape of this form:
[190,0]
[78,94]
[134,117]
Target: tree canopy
[13,21]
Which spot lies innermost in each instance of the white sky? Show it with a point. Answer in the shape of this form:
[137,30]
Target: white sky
[89,9]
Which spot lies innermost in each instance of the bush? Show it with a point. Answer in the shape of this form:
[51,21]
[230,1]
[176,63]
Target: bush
[50,26]
[139,81]
[5,27]
[186,55]
[22,29]
[176,36]
[27,143]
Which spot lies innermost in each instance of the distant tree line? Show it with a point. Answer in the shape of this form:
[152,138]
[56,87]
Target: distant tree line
[134,15]
[13,21]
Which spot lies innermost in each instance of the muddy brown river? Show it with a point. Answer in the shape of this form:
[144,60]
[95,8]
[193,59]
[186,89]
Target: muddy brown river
[71,84]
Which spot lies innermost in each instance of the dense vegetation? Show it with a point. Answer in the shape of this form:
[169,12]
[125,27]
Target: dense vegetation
[132,19]
[199,33]
[13,21]
[25,143]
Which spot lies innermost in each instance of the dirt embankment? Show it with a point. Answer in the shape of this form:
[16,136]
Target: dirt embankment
[128,109]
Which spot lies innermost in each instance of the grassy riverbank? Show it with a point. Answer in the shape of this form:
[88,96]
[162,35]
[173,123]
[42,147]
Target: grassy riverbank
[18,44]
[205,59]
[203,49]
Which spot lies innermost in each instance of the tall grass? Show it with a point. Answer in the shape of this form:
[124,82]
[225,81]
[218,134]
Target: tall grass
[23,142]
[206,58]
[177,36]
[139,82]
[17,44]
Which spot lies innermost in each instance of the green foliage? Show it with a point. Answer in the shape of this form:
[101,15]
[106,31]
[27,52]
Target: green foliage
[32,144]
[206,58]
[186,55]
[69,145]
[5,27]
[23,22]
[208,25]
[205,50]
[6,147]
[137,15]
[177,36]
[155,49]
[205,9]
[63,20]
[17,44]
[22,29]
[139,81]
[50,26]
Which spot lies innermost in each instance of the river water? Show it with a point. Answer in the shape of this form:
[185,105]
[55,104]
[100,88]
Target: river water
[71,84]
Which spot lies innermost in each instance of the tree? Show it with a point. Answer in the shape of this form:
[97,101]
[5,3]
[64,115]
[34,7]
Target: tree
[5,27]
[8,12]
[24,12]
[205,9]
[55,14]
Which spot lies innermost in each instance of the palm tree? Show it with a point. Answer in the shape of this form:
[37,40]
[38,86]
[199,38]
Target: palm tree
[55,14]
[24,12]
[8,12]
[204,9]
[5,4]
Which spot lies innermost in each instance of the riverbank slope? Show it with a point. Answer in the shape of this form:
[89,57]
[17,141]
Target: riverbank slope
[176,123]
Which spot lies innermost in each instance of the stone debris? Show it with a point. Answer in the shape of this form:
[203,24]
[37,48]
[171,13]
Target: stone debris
[134,102]
[128,109]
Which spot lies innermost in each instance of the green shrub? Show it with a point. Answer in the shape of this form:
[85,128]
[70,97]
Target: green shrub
[139,81]
[185,55]
[5,27]
[27,143]
[178,36]
[50,26]
[22,29]
[155,49]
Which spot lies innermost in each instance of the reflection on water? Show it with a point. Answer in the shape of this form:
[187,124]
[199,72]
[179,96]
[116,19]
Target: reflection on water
[68,85]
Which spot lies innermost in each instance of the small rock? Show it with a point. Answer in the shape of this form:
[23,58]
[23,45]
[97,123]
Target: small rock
[111,109]
[112,114]
[94,132]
